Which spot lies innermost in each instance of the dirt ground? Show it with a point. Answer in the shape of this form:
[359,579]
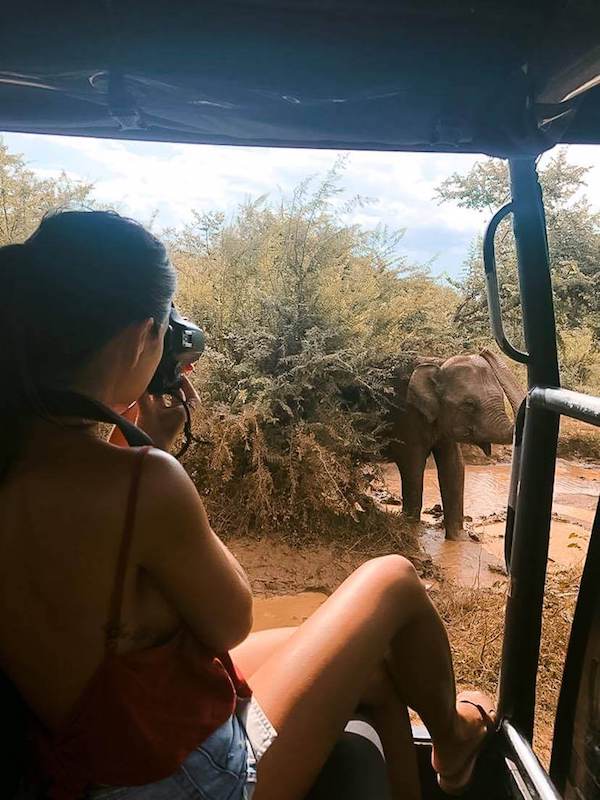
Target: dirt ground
[466,580]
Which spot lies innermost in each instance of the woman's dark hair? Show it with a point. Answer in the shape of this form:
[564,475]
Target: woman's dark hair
[78,280]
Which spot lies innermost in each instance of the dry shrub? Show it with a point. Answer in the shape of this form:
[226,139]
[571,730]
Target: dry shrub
[267,473]
[475,622]
[559,606]
[298,306]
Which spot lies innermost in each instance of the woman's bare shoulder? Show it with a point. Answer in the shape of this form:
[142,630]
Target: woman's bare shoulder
[164,478]
[159,469]
[164,489]
[168,505]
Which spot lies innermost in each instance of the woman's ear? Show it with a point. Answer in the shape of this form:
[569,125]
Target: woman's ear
[424,390]
[141,333]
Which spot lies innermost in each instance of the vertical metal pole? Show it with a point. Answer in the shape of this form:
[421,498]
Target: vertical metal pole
[529,552]
[529,223]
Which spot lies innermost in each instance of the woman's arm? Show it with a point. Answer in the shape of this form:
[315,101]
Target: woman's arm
[194,569]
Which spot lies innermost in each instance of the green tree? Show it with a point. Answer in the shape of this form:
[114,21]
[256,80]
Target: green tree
[574,245]
[25,198]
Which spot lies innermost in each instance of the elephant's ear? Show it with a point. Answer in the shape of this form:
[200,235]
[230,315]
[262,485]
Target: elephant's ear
[424,390]
[513,391]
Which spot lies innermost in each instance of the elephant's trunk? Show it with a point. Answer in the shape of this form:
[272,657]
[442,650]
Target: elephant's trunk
[506,379]
[503,432]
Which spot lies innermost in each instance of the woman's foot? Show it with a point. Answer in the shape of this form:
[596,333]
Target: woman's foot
[454,759]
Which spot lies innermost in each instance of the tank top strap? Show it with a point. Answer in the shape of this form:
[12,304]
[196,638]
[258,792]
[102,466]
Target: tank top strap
[116,600]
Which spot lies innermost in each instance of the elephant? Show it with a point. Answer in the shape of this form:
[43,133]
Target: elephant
[439,405]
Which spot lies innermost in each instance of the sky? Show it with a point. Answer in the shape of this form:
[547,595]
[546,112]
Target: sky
[141,178]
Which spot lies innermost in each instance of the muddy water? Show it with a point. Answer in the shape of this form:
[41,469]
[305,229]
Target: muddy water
[291,609]
[479,562]
[474,562]
[486,489]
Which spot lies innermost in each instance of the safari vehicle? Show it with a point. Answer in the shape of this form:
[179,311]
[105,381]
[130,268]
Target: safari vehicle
[508,78]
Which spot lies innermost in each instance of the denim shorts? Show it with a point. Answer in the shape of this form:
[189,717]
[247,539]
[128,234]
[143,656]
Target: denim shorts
[223,767]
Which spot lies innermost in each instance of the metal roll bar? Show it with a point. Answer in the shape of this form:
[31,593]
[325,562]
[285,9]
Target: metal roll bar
[533,478]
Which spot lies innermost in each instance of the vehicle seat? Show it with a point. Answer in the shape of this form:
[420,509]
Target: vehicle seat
[355,770]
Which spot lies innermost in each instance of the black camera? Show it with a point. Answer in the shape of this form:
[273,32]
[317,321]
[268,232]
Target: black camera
[184,344]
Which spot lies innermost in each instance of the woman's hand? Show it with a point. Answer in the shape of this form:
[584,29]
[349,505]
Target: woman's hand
[163,421]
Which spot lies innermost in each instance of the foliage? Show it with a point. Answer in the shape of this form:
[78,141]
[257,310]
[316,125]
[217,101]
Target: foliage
[298,305]
[24,197]
[580,359]
[574,245]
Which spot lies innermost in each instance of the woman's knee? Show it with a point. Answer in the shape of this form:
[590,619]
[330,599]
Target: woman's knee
[392,575]
[259,647]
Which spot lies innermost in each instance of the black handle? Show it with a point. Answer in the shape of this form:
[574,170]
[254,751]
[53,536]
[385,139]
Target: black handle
[491,284]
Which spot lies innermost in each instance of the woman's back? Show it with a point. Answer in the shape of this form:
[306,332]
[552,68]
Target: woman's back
[62,513]
[118,602]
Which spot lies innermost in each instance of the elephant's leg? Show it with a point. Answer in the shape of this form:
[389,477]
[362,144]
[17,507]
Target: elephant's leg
[451,475]
[411,463]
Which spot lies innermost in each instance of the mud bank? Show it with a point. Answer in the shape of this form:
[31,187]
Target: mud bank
[480,561]
[290,584]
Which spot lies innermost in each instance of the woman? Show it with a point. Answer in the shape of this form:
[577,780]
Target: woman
[119,604]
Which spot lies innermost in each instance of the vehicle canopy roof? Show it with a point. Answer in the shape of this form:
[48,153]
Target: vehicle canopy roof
[503,77]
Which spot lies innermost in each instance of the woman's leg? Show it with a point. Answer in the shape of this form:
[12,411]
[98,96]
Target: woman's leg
[311,685]
[379,700]
[389,716]
[259,647]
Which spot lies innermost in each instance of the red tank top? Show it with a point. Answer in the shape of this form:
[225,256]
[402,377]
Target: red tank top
[141,713]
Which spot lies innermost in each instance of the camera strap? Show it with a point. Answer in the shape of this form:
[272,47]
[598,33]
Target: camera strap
[66,404]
